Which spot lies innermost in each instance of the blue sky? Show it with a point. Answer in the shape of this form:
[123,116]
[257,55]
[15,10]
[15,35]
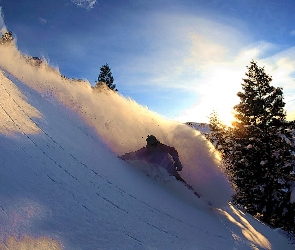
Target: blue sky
[180,58]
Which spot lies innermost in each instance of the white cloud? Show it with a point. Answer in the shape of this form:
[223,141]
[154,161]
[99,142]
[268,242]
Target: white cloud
[87,4]
[220,78]
[179,46]
[196,55]
[281,66]
[208,58]
[42,20]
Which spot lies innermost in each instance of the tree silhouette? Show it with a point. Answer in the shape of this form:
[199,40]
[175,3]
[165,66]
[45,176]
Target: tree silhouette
[106,77]
[6,38]
[259,151]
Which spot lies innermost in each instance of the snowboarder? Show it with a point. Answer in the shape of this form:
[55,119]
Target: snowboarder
[158,154]
[162,155]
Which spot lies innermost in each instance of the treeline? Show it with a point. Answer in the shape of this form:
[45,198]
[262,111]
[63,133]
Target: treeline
[258,151]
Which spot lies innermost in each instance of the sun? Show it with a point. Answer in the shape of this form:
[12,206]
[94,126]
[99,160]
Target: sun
[291,116]
[219,101]
[227,117]
[202,113]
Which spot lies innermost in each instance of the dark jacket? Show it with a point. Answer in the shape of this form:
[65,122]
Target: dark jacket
[160,155]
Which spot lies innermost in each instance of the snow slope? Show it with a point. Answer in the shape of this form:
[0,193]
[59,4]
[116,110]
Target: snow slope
[202,127]
[62,185]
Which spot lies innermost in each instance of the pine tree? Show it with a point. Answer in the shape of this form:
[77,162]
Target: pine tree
[262,157]
[219,136]
[106,77]
[6,38]
[259,151]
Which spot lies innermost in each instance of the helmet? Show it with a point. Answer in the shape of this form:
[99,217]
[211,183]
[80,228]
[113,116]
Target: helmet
[151,140]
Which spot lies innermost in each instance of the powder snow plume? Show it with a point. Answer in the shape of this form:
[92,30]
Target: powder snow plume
[2,24]
[123,124]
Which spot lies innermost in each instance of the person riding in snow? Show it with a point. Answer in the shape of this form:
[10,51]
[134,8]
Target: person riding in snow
[158,154]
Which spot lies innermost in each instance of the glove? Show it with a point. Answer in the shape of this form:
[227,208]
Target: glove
[178,166]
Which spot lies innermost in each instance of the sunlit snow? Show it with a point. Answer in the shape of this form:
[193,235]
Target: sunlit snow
[64,187]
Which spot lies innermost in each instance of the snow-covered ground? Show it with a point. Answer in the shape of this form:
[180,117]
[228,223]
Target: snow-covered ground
[202,127]
[62,185]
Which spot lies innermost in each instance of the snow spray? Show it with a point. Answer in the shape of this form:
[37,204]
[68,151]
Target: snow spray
[123,124]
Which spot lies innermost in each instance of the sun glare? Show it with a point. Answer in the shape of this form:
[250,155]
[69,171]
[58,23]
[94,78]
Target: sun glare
[227,118]
[291,116]
[219,94]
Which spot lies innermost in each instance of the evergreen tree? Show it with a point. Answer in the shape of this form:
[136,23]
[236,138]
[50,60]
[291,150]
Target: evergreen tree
[6,38]
[219,136]
[260,151]
[262,157]
[106,77]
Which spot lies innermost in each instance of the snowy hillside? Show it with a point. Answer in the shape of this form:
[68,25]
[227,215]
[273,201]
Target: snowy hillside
[202,127]
[62,185]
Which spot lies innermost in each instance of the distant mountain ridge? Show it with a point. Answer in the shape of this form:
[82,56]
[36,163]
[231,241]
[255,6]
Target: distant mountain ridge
[202,127]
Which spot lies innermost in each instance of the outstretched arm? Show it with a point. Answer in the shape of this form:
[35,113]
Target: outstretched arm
[127,156]
[137,155]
